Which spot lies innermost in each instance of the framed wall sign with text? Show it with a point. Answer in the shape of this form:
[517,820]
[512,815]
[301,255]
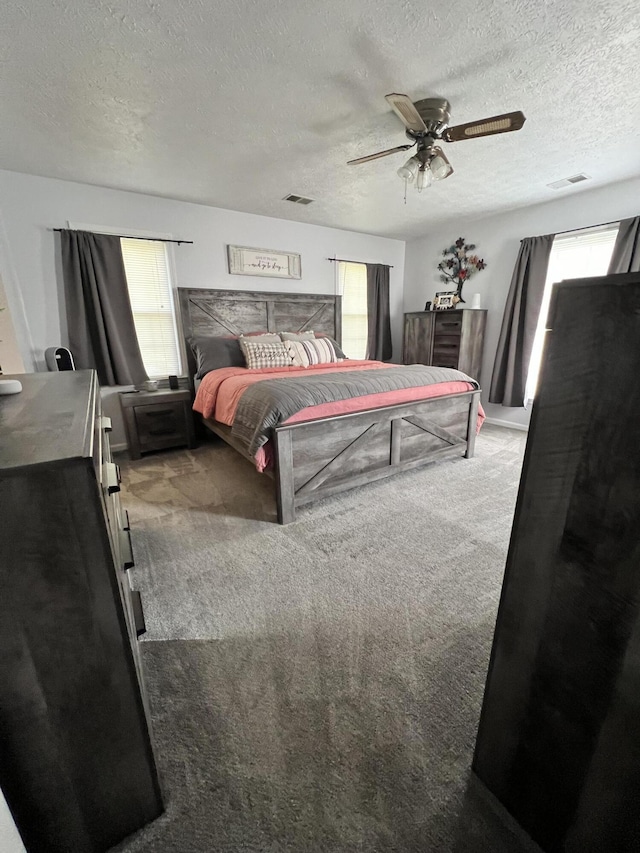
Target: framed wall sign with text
[246,261]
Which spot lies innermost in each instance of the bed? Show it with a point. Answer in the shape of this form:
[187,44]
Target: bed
[312,456]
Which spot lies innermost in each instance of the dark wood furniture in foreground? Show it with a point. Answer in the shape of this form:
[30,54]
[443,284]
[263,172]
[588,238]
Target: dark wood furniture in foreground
[156,420]
[559,737]
[318,458]
[76,762]
[446,339]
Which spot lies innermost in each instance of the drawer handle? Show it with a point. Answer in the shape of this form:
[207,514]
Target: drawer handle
[162,431]
[138,613]
[454,323]
[105,423]
[111,477]
[127,551]
[161,413]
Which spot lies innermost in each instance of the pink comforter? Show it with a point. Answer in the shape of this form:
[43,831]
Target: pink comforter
[220,392]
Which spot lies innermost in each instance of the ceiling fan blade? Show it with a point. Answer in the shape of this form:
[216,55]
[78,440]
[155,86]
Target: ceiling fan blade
[403,107]
[379,154]
[487,127]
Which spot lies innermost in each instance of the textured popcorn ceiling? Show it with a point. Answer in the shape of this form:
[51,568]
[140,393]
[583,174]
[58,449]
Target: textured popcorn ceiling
[236,103]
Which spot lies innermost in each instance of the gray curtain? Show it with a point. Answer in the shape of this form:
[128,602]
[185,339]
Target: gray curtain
[520,320]
[379,345]
[102,334]
[626,251]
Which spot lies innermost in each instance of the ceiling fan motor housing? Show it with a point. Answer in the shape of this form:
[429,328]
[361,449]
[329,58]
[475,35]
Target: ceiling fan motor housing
[435,113]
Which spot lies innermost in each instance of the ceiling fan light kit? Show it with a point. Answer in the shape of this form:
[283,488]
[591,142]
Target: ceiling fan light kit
[410,169]
[427,122]
[425,178]
[431,166]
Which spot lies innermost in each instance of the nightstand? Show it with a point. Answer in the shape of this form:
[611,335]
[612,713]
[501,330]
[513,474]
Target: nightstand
[156,420]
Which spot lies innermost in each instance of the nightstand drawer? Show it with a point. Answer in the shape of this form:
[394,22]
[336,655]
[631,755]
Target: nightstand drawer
[159,422]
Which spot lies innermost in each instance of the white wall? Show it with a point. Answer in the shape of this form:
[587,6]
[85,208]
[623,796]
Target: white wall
[29,254]
[498,241]
[10,358]
[10,841]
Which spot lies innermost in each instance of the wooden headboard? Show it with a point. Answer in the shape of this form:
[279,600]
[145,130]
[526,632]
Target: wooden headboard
[234,312]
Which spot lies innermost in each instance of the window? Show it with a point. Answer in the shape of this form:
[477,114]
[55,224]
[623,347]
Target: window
[580,255]
[146,264]
[352,284]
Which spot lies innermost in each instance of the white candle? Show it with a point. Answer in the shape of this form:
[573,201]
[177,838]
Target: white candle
[475,300]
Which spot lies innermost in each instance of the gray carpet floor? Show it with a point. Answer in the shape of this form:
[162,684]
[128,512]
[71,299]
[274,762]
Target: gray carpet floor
[317,687]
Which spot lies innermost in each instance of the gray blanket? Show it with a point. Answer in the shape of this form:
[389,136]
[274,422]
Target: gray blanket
[268,403]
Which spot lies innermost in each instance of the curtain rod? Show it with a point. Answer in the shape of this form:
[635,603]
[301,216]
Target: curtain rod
[130,237]
[587,227]
[345,261]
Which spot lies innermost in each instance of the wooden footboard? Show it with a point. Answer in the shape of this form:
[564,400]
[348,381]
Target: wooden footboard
[315,459]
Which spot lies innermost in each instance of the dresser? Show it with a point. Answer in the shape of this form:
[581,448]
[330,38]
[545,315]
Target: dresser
[559,736]
[76,759]
[446,339]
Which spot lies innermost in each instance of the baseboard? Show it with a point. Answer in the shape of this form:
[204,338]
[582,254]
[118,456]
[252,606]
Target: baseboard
[119,448]
[508,424]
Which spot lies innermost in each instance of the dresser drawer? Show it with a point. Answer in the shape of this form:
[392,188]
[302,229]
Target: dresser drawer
[448,324]
[101,443]
[445,361]
[446,342]
[157,423]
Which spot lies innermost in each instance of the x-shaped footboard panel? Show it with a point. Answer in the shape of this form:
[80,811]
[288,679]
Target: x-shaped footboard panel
[334,454]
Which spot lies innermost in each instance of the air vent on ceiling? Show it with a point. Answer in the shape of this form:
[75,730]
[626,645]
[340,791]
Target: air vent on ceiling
[566,182]
[297,199]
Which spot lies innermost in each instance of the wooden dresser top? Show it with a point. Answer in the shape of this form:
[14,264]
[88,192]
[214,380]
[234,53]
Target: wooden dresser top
[49,421]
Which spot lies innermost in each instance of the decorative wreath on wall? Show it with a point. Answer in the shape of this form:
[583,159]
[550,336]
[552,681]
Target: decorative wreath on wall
[458,264]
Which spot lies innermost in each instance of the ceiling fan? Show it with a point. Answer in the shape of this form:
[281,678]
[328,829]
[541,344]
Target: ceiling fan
[427,122]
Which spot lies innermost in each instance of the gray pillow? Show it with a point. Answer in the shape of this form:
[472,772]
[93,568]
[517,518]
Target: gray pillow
[298,336]
[212,353]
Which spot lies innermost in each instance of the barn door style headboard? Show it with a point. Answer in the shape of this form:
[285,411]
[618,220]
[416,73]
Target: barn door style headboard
[237,312]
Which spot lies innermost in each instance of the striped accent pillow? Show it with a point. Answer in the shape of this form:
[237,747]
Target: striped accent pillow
[308,352]
[260,355]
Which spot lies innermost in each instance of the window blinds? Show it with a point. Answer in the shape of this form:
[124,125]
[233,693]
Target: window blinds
[147,270]
[575,255]
[352,284]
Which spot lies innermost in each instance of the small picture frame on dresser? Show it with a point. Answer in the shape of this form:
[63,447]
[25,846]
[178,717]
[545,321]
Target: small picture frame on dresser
[445,300]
